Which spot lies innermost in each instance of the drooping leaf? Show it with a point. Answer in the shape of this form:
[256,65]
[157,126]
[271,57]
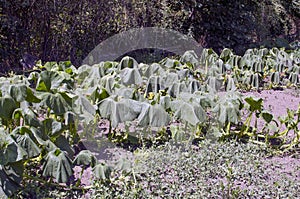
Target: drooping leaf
[56,102]
[21,92]
[170,63]
[153,115]
[49,80]
[86,158]
[189,112]
[102,171]
[194,86]
[64,145]
[108,83]
[190,57]
[10,178]
[226,54]
[52,128]
[127,62]
[30,118]
[177,88]
[25,139]
[153,69]
[7,107]
[58,165]
[131,76]
[214,83]
[10,151]
[227,112]
[119,111]
[84,108]
[18,92]
[154,84]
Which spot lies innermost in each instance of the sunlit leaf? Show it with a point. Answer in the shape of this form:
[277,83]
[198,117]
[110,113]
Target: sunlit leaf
[58,165]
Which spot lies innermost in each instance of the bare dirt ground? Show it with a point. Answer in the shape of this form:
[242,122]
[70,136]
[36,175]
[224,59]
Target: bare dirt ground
[275,101]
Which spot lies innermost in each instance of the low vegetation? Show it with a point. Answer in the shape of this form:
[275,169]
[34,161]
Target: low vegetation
[192,134]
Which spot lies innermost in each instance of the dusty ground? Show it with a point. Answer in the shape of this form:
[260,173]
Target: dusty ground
[274,101]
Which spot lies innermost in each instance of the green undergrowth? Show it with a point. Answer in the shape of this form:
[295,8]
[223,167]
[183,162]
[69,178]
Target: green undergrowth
[212,170]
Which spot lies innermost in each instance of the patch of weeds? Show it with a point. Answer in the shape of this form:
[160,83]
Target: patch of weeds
[212,170]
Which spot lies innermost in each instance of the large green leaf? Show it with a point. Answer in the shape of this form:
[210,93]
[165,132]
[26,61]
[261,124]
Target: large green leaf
[10,178]
[228,108]
[169,79]
[255,104]
[153,69]
[154,84]
[102,171]
[10,151]
[49,80]
[108,83]
[86,158]
[84,108]
[18,92]
[25,139]
[119,111]
[29,117]
[127,62]
[189,112]
[21,92]
[131,76]
[52,128]
[194,86]
[60,103]
[153,115]
[58,165]
[64,145]
[214,83]
[177,88]
[227,112]
[226,54]
[190,57]
[170,63]
[7,107]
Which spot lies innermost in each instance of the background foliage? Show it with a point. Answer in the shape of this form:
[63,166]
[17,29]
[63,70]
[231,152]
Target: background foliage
[69,30]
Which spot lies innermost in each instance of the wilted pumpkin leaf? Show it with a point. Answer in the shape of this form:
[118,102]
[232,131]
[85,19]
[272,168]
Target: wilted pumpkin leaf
[189,112]
[153,115]
[119,111]
[58,165]
[25,139]
[56,102]
[131,76]
[10,151]
[52,128]
[102,171]
[7,107]
[127,62]
[85,157]
[10,178]
[49,80]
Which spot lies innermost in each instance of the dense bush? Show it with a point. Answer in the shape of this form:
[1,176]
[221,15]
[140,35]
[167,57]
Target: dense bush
[69,30]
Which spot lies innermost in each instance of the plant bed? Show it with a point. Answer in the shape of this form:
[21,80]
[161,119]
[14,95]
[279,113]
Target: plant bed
[124,129]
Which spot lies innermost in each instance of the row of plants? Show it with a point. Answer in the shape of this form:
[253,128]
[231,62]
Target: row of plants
[45,113]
